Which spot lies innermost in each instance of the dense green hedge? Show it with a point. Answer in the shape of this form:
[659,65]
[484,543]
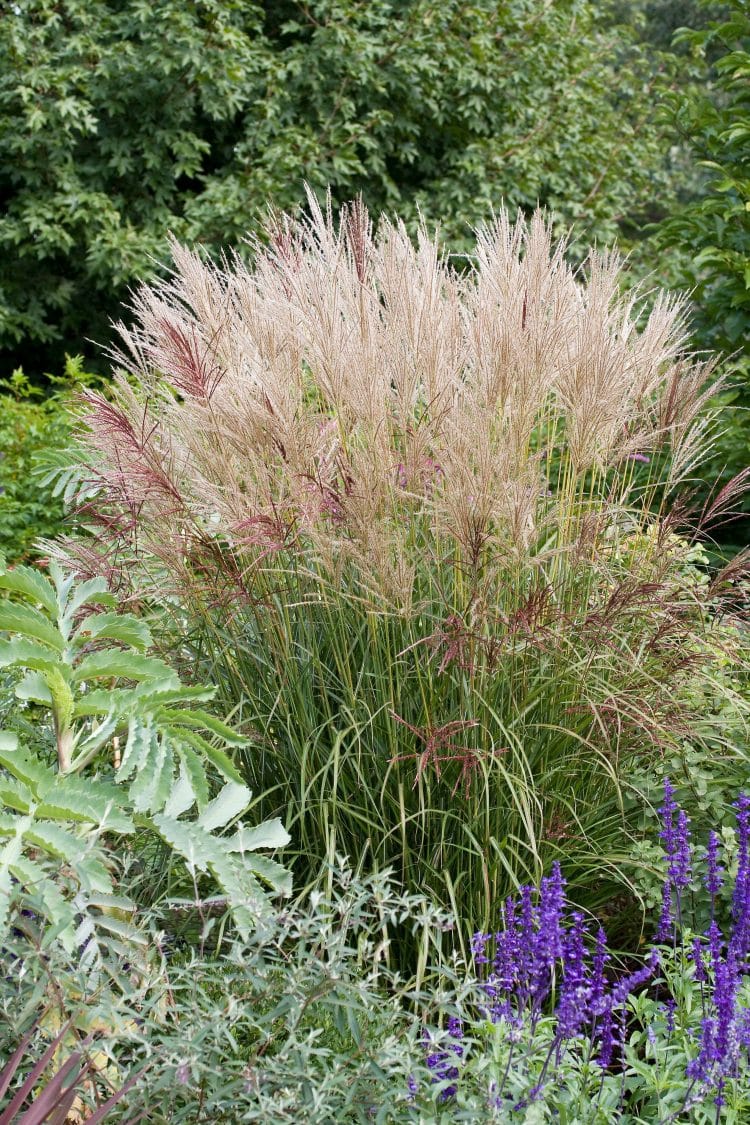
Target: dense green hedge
[121,121]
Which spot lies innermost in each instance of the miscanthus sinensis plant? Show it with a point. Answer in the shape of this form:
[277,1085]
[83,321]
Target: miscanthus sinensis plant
[415,525]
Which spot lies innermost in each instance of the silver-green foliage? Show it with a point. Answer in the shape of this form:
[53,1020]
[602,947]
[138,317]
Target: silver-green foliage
[128,749]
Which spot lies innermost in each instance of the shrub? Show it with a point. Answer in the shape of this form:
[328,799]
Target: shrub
[121,749]
[33,427]
[408,518]
[188,116]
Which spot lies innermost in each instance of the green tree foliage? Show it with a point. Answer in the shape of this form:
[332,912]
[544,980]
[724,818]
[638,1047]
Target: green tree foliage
[123,120]
[715,226]
[32,426]
[716,124]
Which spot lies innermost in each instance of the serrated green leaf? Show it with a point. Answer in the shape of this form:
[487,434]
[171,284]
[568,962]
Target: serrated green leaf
[29,769]
[271,872]
[101,701]
[202,719]
[29,622]
[193,767]
[122,627]
[125,665]
[203,852]
[14,794]
[34,688]
[55,840]
[153,780]
[182,796]
[94,874]
[87,802]
[137,747]
[218,758]
[229,803]
[32,585]
[92,592]
[27,654]
[271,834]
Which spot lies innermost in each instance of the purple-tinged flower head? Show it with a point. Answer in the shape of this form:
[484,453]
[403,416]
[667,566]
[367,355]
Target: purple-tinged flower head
[726,982]
[478,948]
[665,931]
[670,1007]
[575,992]
[623,988]
[549,946]
[598,980]
[606,1039]
[680,866]
[699,1068]
[714,870]
[741,896]
[412,1086]
[715,940]
[442,1065]
[456,1031]
[667,812]
[696,956]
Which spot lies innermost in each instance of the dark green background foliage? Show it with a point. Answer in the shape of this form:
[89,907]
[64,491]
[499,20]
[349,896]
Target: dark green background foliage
[125,119]
[31,424]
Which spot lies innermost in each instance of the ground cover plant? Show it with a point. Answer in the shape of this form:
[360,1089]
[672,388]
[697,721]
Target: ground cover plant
[416,526]
[306,1017]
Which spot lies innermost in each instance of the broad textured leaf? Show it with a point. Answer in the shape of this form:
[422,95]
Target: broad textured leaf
[193,767]
[218,758]
[28,768]
[34,688]
[56,840]
[202,719]
[137,748]
[30,622]
[122,627]
[88,802]
[230,802]
[128,665]
[270,871]
[15,795]
[33,585]
[92,592]
[28,654]
[153,781]
[182,796]
[271,834]
[8,741]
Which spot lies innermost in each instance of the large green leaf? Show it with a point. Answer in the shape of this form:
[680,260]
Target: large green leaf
[230,802]
[28,654]
[217,757]
[122,627]
[127,665]
[34,688]
[30,622]
[31,584]
[270,834]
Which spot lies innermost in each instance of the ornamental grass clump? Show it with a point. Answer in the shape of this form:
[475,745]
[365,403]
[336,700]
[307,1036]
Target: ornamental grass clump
[414,523]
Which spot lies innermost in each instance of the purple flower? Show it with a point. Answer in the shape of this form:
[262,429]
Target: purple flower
[714,871]
[442,1062]
[681,861]
[697,959]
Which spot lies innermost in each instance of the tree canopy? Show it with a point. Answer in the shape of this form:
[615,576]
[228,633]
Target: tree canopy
[123,119]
